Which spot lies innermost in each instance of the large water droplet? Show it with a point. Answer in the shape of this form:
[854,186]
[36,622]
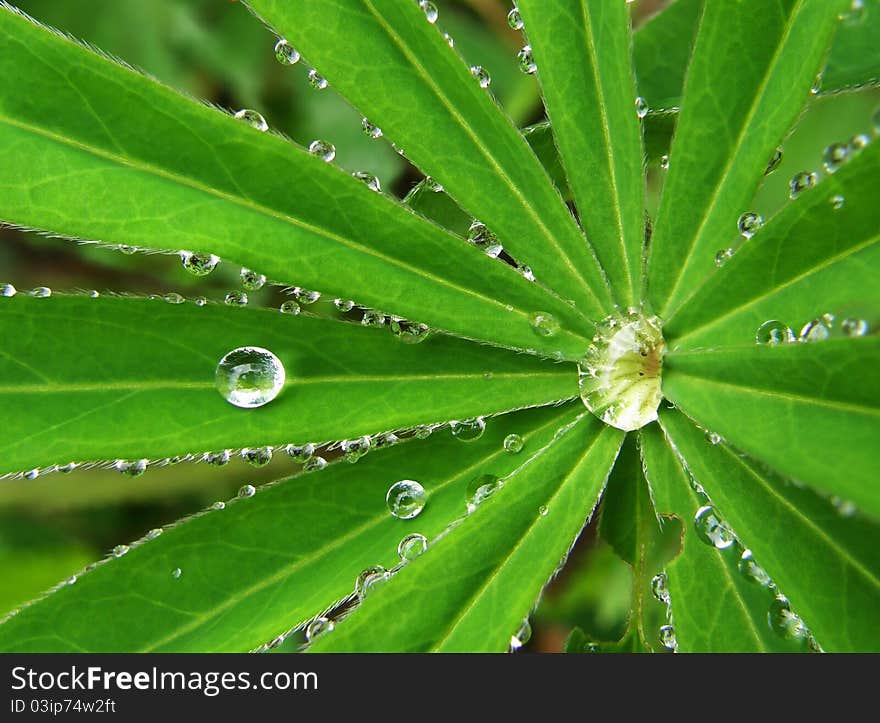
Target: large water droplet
[285,53]
[315,464]
[199,264]
[217,459]
[482,75]
[411,546]
[257,456]
[249,377]
[369,180]
[300,452]
[834,156]
[370,579]
[318,627]
[132,469]
[322,149]
[521,636]
[409,332]
[748,223]
[544,324]
[774,332]
[236,298]
[480,489]
[659,588]
[784,622]
[667,637]
[854,327]
[526,60]
[306,296]
[7,290]
[317,81]
[800,183]
[370,129]
[40,292]
[290,307]
[247,491]
[513,443]
[514,19]
[430,10]
[481,237]
[468,430]
[752,571]
[354,449]
[120,550]
[251,280]
[373,317]
[642,107]
[817,329]
[252,118]
[406,499]
[343,305]
[711,528]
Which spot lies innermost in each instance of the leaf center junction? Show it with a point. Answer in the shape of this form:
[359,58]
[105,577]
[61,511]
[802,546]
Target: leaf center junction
[619,376]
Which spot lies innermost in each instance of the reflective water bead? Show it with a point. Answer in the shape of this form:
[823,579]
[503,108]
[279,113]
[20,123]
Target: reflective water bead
[480,489]
[200,301]
[218,459]
[713,438]
[343,305]
[300,452]
[411,546]
[218,506]
[199,264]
[317,81]
[71,580]
[120,550]
[251,280]
[854,327]
[664,162]
[527,61]
[800,183]
[409,332]
[430,11]
[7,290]
[257,456]
[318,627]
[405,499]
[370,129]
[252,118]
[285,53]
[176,573]
[774,332]
[526,272]
[67,468]
[641,107]
[544,324]
[837,202]
[815,330]
[752,571]
[127,250]
[32,473]
[354,449]
[667,637]
[249,377]
[369,180]
[543,510]
[481,237]
[659,588]
[247,491]
[711,528]
[468,430]
[785,622]
[748,223]
[775,160]
[370,579]
[315,464]
[834,156]
[521,636]
[513,444]
[290,307]
[722,256]
[322,149]
[450,41]
[154,533]
[132,469]
[423,431]
[372,317]
[173,298]
[432,185]
[859,142]
[236,298]
[482,75]
[514,19]
[40,292]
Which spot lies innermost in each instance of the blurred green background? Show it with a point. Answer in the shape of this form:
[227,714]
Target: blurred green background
[215,50]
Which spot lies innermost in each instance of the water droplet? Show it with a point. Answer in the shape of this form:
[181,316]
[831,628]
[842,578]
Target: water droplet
[154,533]
[775,160]
[430,10]
[521,636]
[315,464]
[247,491]
[285,53]
[253,119]
[837,202]
[450,41]
[251,280]
[711,528]
[120,550]
[664,162]
[369,180]
[71,580]
[481,237]
[432,185]
[514,19]
[526,60]
[773,332]
[854,327]
[752,571]
[317,81]
[370,129]
[641,107]
[40,292]
[384,440]
[619,377]
[845,508]
[713,438]
[300,452]
[722,256]
[513,443]
[526,272]
[411,546]
[859,142]
[748,223]
[423,431]
[482,75]
[406,499]
[306,296]
[343,305]
[173,298]
[126,249]
[800,183]
[218,506]
[354,449]
[199,264]
[372,317]
[667,637]
[32,473]
[290,307]
[218,459]
[7,290]
[468,430]
[236,298]
[176,573]
[370,579]
[318,627]
[480,489]
[784,622]
[854,14]
[815,330]
[200,301]
[659,588]
[132,469]
[834,156]
[67,468]
[544,324]
[323,150]
[409,332]
[543,510]
[257,456]
[249,377]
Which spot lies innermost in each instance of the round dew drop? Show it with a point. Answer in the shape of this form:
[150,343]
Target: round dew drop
[406,499]
[176,573]
[482,75]
[838,202]
[752,571]
[372,317]
[854,327]
[641,107]
[409,332]
[354,449]
[713,438]
[480,489]
[285,53]
[711,528]
[343,305]
[370,579]
[318,627]
[526,61]
[257,456]
[246,491]
[236,298]
[800,183]
[468,430]
[370,129]
[315,464]
[290,307]
[430,11]
[253,119]
[323,150]
[199,264]
[40,292]
[774,332]
[544,324]
[132,469]
[784,622]
[514,19]
[834,156]
[120,550]
[251,280]
[659,588]
[748,223]
[722,257]
[369,180]
[306,296]
[513,444]
[249,377]
[317,81]
[411,546]
[7,290]
[667,637]
[300,452]
[217,459]
[815,330]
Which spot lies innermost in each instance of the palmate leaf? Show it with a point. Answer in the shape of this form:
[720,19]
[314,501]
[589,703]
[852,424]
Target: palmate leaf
[143,382]
[827,564]
[105,153]
[751,71]
[472,589]
[271,562]
[399,70]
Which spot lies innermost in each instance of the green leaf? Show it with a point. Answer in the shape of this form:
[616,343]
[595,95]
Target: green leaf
[854,61]
[818,255]
[399,70]
[472,589]
[827,564]
[752,68]
[268,563]
[102,152]
[810,410]
[142,385]
[716,608]
[583,52]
